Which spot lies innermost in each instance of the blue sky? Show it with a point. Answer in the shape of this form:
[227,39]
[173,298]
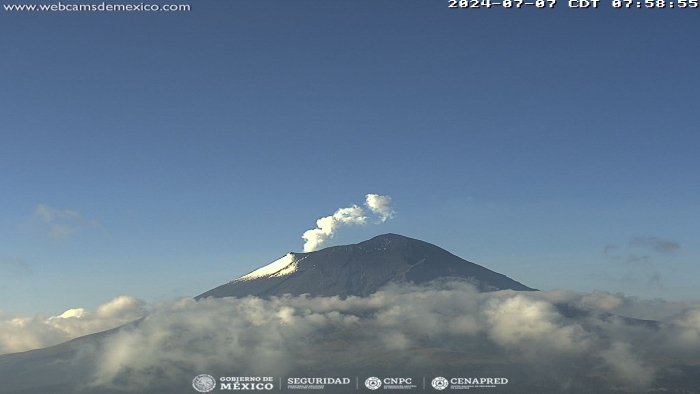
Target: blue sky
[177,151]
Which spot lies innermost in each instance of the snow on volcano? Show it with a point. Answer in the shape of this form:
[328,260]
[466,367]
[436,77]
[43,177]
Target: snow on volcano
[281,267]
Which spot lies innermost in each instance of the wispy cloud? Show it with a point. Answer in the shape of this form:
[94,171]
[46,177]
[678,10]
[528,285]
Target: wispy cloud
[50,215]
[639,250]
[12,268]
[638,260]
[642,256]
[12,271]
[655,280]
[654,243]
[609,249]
[61,223]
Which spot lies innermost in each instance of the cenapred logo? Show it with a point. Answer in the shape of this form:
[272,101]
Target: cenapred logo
[204,383]
[373,383]
[440,383]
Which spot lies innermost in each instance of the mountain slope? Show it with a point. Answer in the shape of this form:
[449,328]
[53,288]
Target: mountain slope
[361,269]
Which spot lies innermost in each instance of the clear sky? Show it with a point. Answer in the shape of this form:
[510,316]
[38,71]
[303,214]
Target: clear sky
[159,155]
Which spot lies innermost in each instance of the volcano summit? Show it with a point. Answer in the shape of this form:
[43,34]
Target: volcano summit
[361,269]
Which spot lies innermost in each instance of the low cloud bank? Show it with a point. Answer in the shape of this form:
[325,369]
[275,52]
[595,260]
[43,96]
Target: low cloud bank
[407,324]
[569,338]
[19,334]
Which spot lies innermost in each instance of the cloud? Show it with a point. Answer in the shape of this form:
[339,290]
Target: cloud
[649,244]
[19,334]
[420,325]
[12,268]
[61,223]
[564,339]
[641,255]
[638,260]
[655,279]
[49,215]
[607,249]
[533,325]
[654,243]
[628,366]
[327,226]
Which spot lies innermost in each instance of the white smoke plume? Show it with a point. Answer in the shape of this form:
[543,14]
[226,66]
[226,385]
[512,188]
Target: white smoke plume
[327,226]
[380,205]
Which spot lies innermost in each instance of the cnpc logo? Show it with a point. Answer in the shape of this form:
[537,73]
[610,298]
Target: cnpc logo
[374,383]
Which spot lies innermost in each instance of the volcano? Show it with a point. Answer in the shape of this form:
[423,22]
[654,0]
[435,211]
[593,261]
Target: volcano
[436,330]
[362,269]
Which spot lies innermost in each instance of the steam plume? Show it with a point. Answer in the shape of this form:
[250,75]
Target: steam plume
[327,226]
[380,206]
